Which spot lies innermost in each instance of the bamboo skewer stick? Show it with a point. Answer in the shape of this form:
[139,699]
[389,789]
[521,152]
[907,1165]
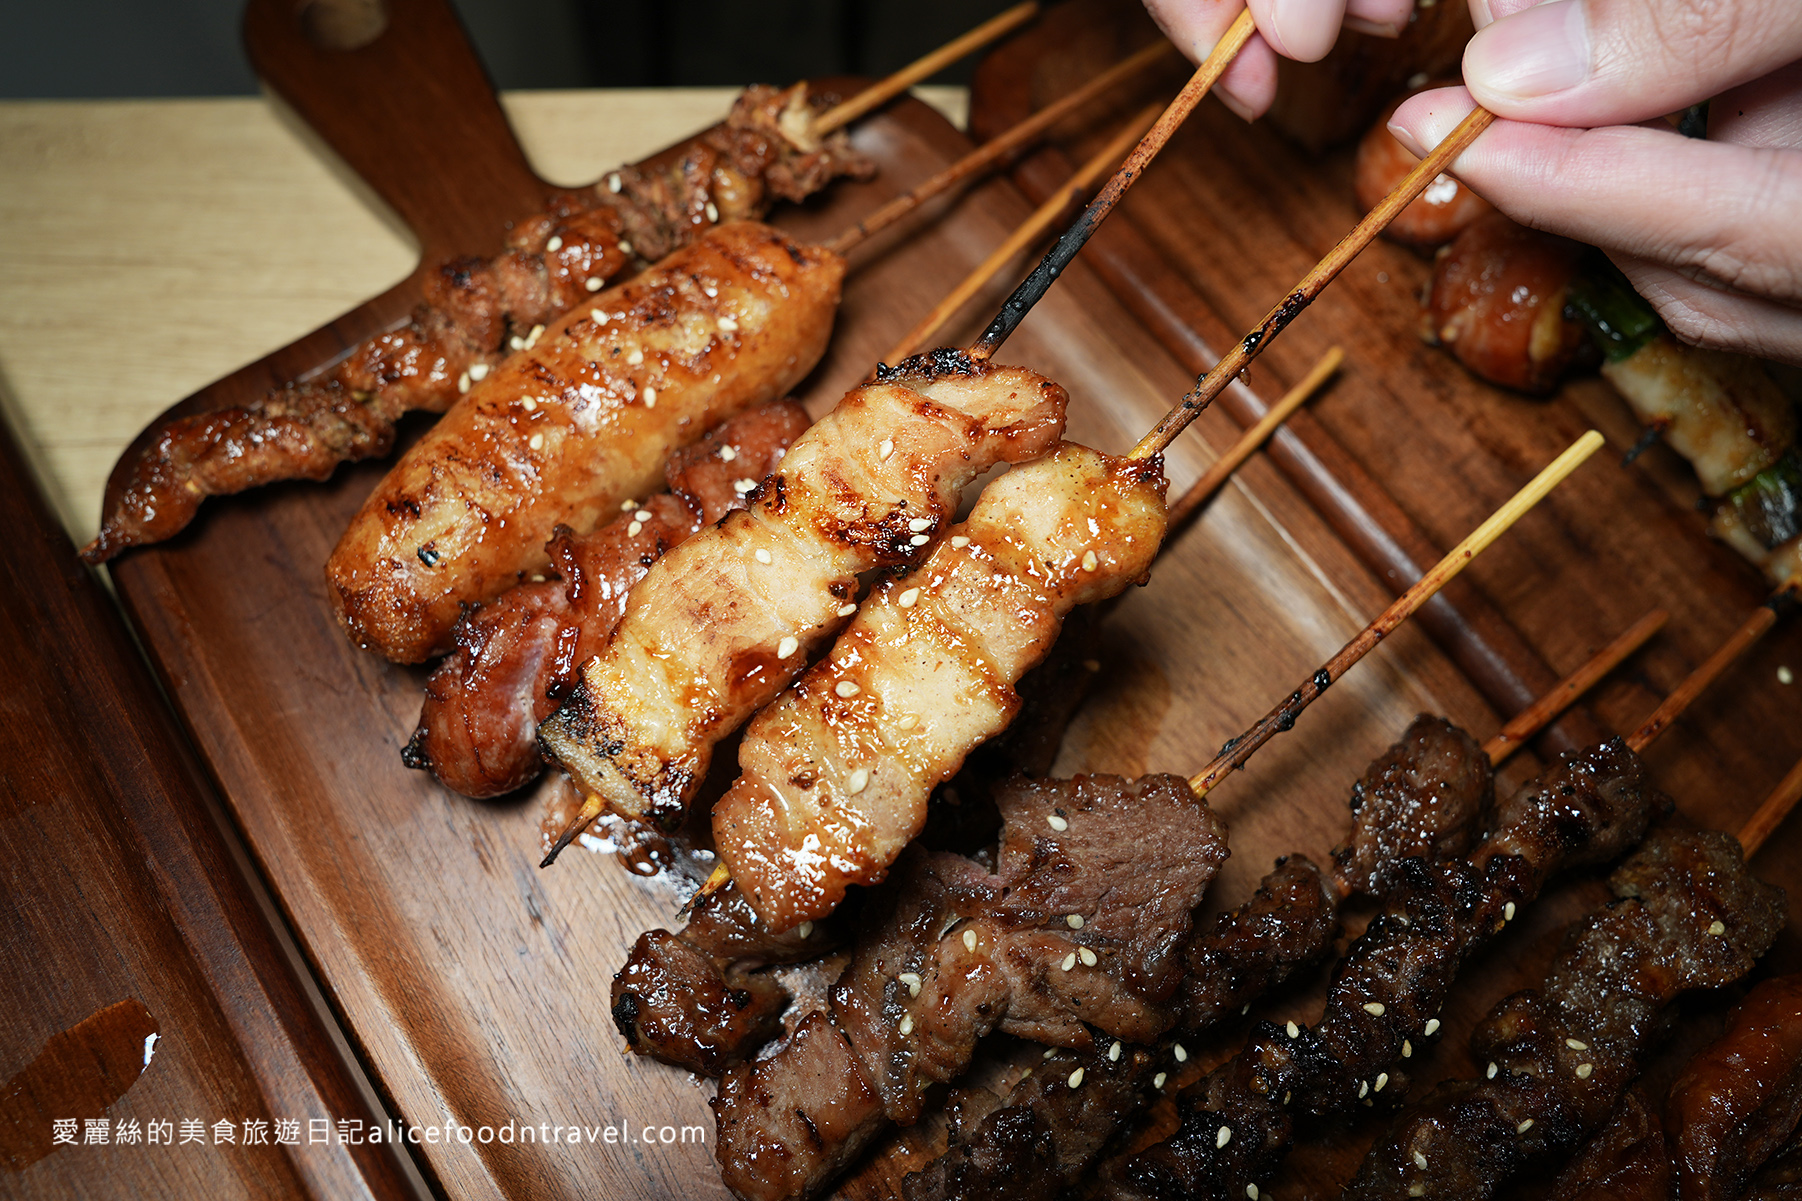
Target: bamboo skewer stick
[1254,436]
[931,64]
[1233,756]
[1248,348]
[1750,631]
[1025,235]
[999,147]
[1060,256]
[1771,813]
[1564,694]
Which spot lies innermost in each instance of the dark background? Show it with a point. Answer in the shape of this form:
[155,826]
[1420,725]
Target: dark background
[80,48]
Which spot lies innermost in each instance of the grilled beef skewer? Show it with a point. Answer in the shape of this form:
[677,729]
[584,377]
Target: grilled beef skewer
[474,311]
[1625,1161]
[517,655]
[1079,929]
[1587,808]
[1688,914]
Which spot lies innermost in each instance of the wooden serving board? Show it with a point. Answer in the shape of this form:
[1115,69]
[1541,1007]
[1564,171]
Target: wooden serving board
[475,986]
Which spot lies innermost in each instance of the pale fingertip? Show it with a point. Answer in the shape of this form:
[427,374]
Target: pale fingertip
[1530,54]
[1248,86]
[1480,15]
[1425,120]
[1303,30]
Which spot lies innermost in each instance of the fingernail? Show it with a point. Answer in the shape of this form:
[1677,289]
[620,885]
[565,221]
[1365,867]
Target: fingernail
[1298,24]
[1373,28]
[1406,138]
[1534,52]
[1480,16]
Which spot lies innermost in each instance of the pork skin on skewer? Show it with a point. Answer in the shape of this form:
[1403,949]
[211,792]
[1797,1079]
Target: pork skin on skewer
[472,311]
[517,656]
[720,625]
[575,423]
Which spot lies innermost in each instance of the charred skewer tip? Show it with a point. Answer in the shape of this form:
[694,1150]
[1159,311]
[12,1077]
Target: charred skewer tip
[591,809]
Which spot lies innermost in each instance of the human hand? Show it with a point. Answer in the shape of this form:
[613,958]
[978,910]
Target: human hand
[1300,29]
[1709,231]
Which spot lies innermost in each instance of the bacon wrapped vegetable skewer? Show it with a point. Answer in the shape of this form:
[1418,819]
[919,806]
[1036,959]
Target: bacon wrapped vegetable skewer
[471,312]
[837,772]
[721,624]
[575,423]
[1688,915]
[517,655]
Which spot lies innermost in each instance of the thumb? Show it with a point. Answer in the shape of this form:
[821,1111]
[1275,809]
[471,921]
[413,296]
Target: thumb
[1587,63]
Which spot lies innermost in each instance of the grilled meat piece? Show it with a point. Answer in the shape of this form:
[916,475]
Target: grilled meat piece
[723,623]
[1588,807]
[1427,797]
[950,952]
[1433,218]
[1781,1178]
[469,310]
[1287,924]
[1739,1101]
[1626,1161]
[575,423]
[696,999]
[1688,915]
[516,657]
[837,771]
[1497,303]
[1720,411]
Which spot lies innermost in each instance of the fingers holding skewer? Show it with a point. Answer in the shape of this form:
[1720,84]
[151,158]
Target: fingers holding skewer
[1282,718]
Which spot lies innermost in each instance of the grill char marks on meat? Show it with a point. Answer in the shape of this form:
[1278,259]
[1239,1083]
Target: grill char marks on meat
[1739,1100]
[469,310]
[696,999]
[518,655]
[1427,797]
[837,771]
[1688,915]
[1588,807]
[1625,1161]
[950,952]
[570,426]
[688,989]
[1424,796]
[722,624]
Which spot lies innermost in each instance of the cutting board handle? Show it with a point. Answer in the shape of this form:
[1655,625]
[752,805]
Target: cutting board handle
[395,88]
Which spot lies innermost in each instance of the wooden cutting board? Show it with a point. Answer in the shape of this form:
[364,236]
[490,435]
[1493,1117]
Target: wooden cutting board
[475,986]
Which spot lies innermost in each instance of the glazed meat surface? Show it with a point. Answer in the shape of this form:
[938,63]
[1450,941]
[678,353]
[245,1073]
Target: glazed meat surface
[1625,1161]
[1720,411]
[517,656]
[1426,797]
[1077,931]
[471,311]
[574,424]
[1740,1099]
[723,623]
[1497,303]
[1688,914]
[1289,923]
[837,771]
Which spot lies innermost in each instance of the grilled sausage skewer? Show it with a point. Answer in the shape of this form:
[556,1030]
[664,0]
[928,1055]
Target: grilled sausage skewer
[1588,807]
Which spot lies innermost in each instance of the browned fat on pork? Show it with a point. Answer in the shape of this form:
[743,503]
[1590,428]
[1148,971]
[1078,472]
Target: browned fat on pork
[722,623]
[578,421]
[838,770]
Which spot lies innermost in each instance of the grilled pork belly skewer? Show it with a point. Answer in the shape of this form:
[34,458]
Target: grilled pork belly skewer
[1589,807]
[763,1108]
[1688,915]
[473,312]
[1424,797]
[679,1003]
[517,655]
